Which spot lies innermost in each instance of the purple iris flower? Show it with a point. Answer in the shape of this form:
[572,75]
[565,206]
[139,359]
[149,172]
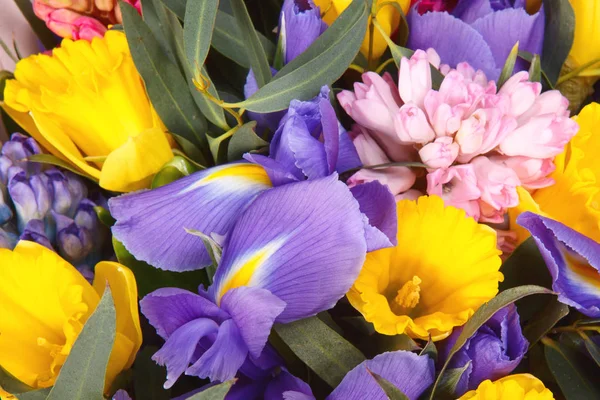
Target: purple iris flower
[294,252]
[480,32]
[492,352]
[310,144]
[573,260]
[300,24]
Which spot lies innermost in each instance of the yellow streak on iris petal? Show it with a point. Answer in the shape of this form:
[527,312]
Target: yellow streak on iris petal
[44,303]
[512,387]
[574,199]
[250,173]
[455,279]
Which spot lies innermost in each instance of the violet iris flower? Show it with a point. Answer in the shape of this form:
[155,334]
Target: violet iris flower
[300,24]
[294,252]
[480,32]
[572,259]
[310,144]
[493,352]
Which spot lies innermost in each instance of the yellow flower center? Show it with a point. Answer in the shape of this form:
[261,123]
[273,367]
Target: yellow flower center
[408,297]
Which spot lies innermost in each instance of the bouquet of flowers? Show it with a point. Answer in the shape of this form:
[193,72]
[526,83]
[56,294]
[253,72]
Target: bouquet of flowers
[300,199]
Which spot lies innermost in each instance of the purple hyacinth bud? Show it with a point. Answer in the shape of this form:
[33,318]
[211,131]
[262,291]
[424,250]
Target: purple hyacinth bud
[5,164]
[493,351]
[86,217]
[74,243]
[18,149]
[29,195]
[5,210]
[34,232]
[58,188]
[8,240]
[78,189]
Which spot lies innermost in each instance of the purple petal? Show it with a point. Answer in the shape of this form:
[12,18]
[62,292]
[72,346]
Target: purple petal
[168,309]
[331,132]
[377,203]
[443,32]
[224,358]
[151,224]
[573,260]
[471,10]
[278,173]
[34,232]
[121,395]
[348,156]
[308,153]
[405,370]
[502,29]
[178,350]
[264,121]
[253,310]
[286,382]
[304,242]
[301,25]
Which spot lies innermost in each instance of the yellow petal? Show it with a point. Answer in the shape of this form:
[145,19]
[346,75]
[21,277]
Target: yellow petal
[512,387]
[124,291]
[586,42]
[132,166]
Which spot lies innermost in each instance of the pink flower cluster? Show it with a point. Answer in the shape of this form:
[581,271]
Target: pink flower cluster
[478,143]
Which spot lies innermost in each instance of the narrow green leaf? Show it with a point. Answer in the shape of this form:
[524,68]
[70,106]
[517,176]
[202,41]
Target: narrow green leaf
[535,69]
[391,391]
[396,342]
[177,6]
[104,216]
[40,29]
[574,379]
[53,160]
[306,80]
[591,347]
[217,392]
[8,51]
[325,352]
[155,17]
[509,66]
[11,384]
[218,145]
[243,141]
[165,85]
[536,272]
[253,48]
[449,383]
[199,23]
[149,377]
[213,248]
[545,320]
[83,374]
[4,76]
[149,279]
[228,40]
[430,350]
[485,312]
[558,36]
[41,394]
[590,321]
[527,56]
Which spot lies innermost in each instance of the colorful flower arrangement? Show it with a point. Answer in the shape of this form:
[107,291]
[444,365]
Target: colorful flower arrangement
[301,199]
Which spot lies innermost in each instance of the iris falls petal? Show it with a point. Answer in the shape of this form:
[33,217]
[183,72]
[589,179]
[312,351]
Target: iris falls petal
[151,224]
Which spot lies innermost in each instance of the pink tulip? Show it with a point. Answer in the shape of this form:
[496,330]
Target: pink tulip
[412,125]
[534,173]
[457,185]
[414,79]
[521,92]
[440,153]
[498,185]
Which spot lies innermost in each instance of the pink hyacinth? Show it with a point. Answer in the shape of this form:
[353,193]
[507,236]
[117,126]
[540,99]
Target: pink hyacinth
[477,143]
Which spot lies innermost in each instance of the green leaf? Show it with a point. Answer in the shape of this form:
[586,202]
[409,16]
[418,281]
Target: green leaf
[449,383]
[83,374]
[396,342]
[165,85]
[253,48]
[391,391]
[155,16]
[325,352]
[567,366]
[591,347]
[430,350]
[149,376]
[558,36]
[11,384]
[509,66]
[536,273]
[59,162]
[228,40]
[217,392]
[177,6]
[485,312]
[535,69]
[149,278]
[40,29]
[4,76]
[303,81]
[527,56]
[41,394]
[104,216]
[213,248]
[244,140]
[175,169]
[199,23]
[545,320]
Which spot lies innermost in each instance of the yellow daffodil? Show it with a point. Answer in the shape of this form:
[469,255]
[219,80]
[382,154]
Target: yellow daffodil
[444,267]
[86,104]
[512,387]
[574,199]
[44,303]
[388,16]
